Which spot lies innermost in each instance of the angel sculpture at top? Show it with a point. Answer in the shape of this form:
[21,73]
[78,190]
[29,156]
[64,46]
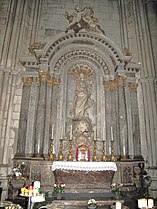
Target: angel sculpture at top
[83,19]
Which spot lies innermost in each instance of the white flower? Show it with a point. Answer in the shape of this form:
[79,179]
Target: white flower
[92,202]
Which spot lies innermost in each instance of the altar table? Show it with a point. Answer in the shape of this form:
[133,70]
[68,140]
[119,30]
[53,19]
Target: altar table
[82,177]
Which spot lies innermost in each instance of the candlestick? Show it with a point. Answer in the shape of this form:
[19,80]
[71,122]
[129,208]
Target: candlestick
[103,157]
[60,156]
[111,134]
[51,151]
[95,151]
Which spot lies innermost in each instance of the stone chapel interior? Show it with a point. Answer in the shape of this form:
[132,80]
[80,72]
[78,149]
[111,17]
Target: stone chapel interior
[78,87]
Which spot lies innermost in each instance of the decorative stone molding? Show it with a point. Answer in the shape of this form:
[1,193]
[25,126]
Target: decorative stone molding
[69,56]
[87,38]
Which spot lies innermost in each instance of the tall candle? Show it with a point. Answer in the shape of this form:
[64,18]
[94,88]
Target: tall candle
[62,132]
[111,134]
[95,133]
[71,130]
[52,131]
[103,134]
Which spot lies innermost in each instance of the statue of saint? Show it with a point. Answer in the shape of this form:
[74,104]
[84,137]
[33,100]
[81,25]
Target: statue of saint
[82,99]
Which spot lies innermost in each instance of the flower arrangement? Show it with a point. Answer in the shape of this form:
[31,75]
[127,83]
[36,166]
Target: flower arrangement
[19,169]
[59,187]
[116,186]
[92,203]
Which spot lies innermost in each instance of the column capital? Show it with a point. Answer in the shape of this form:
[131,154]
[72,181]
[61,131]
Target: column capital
[27,81]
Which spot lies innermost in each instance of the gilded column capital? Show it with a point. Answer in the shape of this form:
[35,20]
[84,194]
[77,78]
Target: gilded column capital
[43,75]
[27,81]
[120,80]
[113,84]
[107,85]
[52,81]
[133,87]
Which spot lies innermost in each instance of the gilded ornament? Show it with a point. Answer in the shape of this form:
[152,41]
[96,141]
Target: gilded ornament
[133,87]
[27,81]
[107,85]
[79,70]
[112,84]
[42,75]
[52,81]
[127,52]
[121,80]
[32,47]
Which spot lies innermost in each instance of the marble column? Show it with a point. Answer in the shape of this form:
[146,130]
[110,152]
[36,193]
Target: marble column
[29,148]
[40,120]
[107,88]
[129,121]
[114,121]
[5,87]
[49,122]
[9,107]
[48,125]
[27,82]
[135,121]
[123,133]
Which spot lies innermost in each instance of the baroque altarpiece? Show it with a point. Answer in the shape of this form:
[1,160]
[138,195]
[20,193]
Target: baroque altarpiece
[79,103]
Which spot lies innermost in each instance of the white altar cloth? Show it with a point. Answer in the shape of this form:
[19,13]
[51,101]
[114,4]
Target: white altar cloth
[84,166]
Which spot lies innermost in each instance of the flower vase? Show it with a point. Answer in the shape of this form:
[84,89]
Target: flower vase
[117,195]
[59,195]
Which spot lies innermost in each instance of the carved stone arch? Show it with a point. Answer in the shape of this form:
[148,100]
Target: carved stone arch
[67,44]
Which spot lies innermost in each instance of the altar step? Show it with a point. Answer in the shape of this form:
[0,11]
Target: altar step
[85,196]
[79,201]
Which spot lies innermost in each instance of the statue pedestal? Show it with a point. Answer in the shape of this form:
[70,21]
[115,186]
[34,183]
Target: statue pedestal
[94,179]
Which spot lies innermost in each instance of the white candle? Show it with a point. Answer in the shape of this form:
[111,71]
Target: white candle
[111,134]
[118,205]
[95,133]
[71,131]
[150,203]
[124,150]
[52,131]
[62,133]
[103,134]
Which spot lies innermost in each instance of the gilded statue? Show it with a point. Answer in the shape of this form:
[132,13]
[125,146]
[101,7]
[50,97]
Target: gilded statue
[83,19]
